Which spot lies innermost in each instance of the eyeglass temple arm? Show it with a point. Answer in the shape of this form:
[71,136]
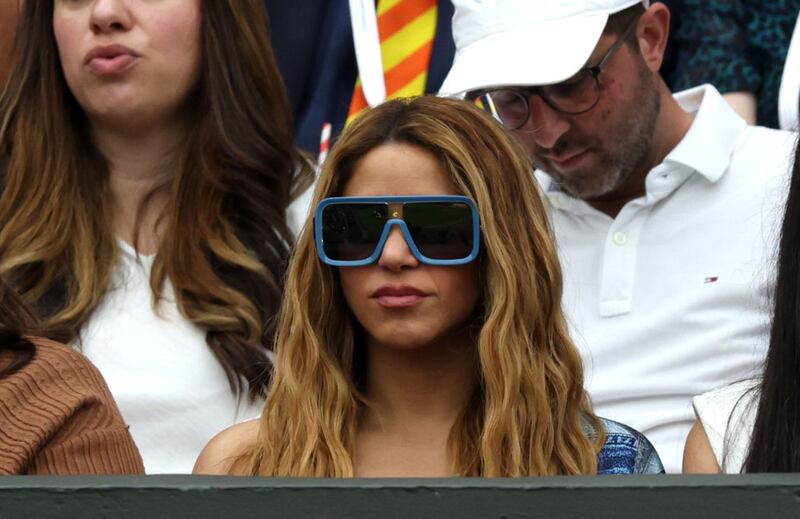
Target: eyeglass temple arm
[617,44]
[492,108]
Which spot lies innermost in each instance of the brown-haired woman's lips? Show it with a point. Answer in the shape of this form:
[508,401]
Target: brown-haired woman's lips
[110,59]
[398,296]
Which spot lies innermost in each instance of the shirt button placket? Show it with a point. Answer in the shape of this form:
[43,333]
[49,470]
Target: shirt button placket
[619,262]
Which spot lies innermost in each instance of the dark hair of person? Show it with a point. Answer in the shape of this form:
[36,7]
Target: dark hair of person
[775,442]
[619,21]
[226,239]
[16,321]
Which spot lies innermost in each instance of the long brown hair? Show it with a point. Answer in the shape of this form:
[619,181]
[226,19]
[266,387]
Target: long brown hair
[528,414]
[16,321]
[226,239]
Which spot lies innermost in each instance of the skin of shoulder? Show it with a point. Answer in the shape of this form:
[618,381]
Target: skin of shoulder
[220,455]
[698,457]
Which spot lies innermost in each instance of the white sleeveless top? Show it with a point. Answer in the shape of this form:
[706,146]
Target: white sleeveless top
[728,415]
[172,391]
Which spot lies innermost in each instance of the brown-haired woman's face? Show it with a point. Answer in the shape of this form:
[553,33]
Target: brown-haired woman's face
[400,302]
[130,62]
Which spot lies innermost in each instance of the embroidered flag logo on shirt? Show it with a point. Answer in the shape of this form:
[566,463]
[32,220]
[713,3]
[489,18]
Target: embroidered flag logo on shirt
[407,29]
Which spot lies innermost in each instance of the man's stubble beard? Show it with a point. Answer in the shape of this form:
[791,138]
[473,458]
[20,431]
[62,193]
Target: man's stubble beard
[630,146]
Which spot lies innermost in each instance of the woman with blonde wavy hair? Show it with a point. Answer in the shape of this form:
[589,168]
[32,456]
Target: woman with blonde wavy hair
[421,331]
[146,167]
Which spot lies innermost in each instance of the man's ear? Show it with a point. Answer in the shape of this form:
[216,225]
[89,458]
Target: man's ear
[653,34]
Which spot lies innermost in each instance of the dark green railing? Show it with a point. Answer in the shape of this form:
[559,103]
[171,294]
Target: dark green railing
[774,496]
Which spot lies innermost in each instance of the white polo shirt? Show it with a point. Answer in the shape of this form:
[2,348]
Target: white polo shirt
[671,298]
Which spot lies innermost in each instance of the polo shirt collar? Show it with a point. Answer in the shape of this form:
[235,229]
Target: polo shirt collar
[709,144]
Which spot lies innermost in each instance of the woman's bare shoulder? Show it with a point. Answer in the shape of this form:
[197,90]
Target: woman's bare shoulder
[224,454]
[698,456]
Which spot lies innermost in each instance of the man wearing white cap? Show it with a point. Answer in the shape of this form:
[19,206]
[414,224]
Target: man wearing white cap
[665,208]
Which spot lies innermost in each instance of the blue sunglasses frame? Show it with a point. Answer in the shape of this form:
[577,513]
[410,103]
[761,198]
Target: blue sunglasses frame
[318,238]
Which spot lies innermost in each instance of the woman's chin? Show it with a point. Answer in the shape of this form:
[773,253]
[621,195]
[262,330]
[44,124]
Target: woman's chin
[402,339]
[117,117]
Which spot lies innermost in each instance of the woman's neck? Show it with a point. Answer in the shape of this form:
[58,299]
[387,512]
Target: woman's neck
[139,165]
[421,389]
[415,398]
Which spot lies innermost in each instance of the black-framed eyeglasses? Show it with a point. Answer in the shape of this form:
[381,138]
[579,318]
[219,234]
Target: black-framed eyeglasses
[577,95]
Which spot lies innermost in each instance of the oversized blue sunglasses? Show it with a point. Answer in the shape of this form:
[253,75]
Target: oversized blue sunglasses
[439,230]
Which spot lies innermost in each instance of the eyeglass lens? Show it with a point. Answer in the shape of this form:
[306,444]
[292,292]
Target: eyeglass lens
[440,230]
[350,232]
[574,96]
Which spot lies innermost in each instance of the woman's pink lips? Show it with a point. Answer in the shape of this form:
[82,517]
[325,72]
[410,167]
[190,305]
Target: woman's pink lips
[110,66]
[399,301]
[398,296]
[110,60]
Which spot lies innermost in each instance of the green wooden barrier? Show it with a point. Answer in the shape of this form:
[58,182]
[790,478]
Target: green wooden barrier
[772,496]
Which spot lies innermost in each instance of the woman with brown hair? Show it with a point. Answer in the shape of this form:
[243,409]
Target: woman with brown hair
[147,164]
[421,331]
[82,431]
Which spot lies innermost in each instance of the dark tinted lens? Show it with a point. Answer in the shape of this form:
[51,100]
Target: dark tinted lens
[350,232]
[440,230]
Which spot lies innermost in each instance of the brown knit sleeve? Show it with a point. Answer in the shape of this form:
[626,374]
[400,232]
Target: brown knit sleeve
[106,451]
[57,416]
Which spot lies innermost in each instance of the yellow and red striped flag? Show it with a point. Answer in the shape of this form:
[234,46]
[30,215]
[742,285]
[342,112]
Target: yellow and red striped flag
[407,29]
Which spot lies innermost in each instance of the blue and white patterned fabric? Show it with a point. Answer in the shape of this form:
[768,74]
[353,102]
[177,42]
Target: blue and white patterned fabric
[625,451]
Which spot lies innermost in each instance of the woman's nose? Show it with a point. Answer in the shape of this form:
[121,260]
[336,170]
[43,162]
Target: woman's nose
[109,16]
[396,254]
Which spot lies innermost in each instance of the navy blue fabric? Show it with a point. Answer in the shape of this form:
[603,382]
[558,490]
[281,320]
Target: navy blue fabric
[295,28]
[319,65]
[626,451]
[736,45]
[671,52]
[444,48]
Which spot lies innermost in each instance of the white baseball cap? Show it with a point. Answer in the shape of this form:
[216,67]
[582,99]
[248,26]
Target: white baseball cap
[524,42]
